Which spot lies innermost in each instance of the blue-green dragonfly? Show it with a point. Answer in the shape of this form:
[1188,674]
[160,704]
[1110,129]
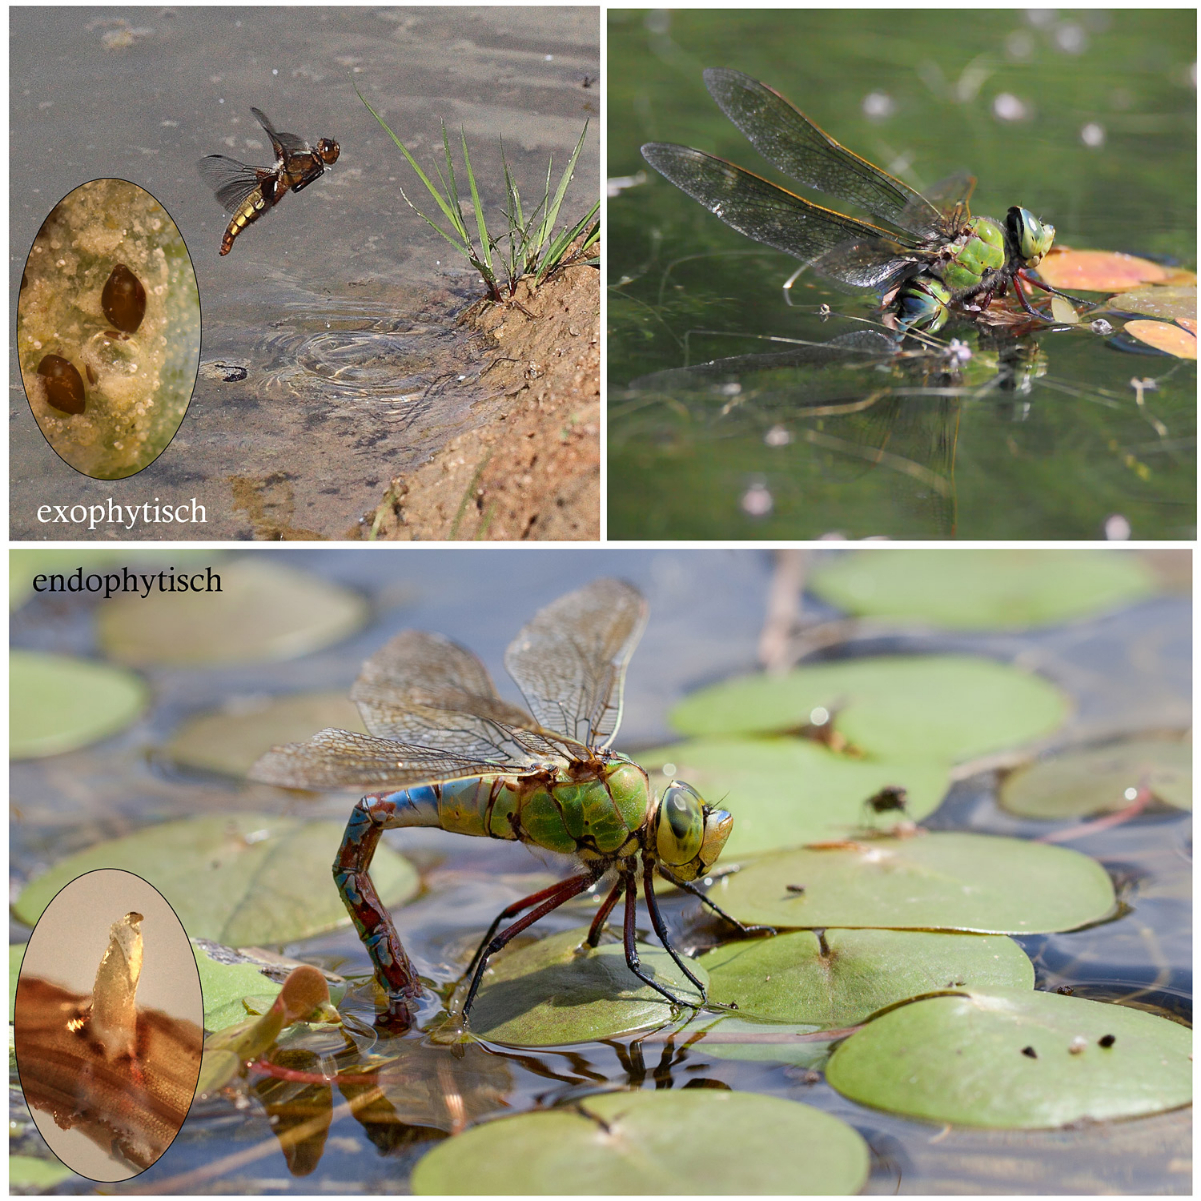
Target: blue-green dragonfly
[937,258]
[445,750]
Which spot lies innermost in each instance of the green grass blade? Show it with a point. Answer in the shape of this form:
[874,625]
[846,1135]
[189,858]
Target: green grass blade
[475,199]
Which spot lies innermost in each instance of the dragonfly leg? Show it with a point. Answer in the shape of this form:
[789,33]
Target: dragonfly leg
[555,896]
[688,886]
[602,914]
[1038,283]
[630,939]
[371,816]
[652,904]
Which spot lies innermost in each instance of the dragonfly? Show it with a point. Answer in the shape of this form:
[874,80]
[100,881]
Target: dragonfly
[444,750]
[936,258]
[248,192]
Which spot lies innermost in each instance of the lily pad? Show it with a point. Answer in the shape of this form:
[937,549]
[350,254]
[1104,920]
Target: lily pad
[36,1175]
[59,704]
[1171,339]
[751,1041]
[794,978]
[691,1141]
[558,991]
[1098,270]
[1168,304]
[984,589]
[264,611]
[788,791]
[225,987]
[943,881]
[1016,1060]
[1101,779]
[931,707]
[240,880]
[230,742]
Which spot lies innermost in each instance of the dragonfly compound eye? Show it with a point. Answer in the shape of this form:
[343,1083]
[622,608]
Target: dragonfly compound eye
[1031,237]
[680,830]
[124,299]
[64,384]
[329,150]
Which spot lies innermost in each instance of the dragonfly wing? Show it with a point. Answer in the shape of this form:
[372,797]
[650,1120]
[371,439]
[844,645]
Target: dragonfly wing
[791,142]
[342,759]
[570,660]
[281,143]
[230,180]
[869,264]
[765,212]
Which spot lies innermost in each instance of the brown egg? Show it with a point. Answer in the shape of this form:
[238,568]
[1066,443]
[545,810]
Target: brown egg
[124,299]
[64,386]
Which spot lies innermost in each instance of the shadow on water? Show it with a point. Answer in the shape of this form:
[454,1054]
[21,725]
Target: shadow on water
[331,354]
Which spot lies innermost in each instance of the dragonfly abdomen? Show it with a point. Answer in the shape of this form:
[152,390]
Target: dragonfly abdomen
[254,206]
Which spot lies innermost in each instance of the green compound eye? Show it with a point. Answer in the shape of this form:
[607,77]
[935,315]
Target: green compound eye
[681,825]
[1031,237]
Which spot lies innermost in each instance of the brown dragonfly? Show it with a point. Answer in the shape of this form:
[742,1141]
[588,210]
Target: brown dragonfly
[248,192]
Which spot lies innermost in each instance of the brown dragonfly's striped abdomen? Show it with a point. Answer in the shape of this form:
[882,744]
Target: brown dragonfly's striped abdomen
[267,195]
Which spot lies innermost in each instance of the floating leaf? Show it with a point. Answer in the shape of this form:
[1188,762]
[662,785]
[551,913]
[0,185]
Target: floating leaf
[231,742]
[1102,779]
[1063,311]
[1098,270]
[792,978]
[945,881]
[59,704]
[1016,1060]
[759,1041]
[1171,339]
[558,991]
[788,791]
[984,589]
[1169,304]
[934,708]
[240,880]
[263,611]
[225,987]
[35,1175]
[691,1141]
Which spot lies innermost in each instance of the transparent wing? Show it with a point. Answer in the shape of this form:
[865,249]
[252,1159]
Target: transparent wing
[281,143]
[340,758]
[570,660]
[230,180]
[791,142]
[426,690]
[777,218]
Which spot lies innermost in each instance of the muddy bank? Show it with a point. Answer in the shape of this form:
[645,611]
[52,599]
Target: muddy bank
[530,468]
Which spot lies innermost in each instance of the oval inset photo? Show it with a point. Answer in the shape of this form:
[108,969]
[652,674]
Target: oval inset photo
[108,329]
[108,1025]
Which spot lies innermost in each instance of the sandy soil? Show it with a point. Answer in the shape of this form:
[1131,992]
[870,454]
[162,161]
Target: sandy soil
[531,468]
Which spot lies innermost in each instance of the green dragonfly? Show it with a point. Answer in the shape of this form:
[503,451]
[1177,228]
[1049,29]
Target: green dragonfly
[445,750]
[937,258]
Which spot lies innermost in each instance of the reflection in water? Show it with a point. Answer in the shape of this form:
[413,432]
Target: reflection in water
[851,405]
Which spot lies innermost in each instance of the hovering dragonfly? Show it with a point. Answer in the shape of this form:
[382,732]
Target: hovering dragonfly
[445,750]
[248,192]
[938,257]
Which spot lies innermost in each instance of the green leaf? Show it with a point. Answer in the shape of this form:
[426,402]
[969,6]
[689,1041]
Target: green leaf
[1169,304]
[930,707]
[58,704]
[690,1141]
[984,589]
[758,1042]
[28,1172]
[791,978]
[264,611]
[943,881]
[968,1060]
[225,987]
[788,791]
[1102,779]
[558,991]
[231,741]
[239,880]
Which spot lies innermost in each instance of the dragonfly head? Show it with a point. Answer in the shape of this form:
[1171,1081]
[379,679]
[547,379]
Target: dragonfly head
[329,150]
[1028,236]
[687,835]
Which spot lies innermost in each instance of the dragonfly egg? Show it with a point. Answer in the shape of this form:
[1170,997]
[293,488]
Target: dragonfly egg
[64,385]
[124,299]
